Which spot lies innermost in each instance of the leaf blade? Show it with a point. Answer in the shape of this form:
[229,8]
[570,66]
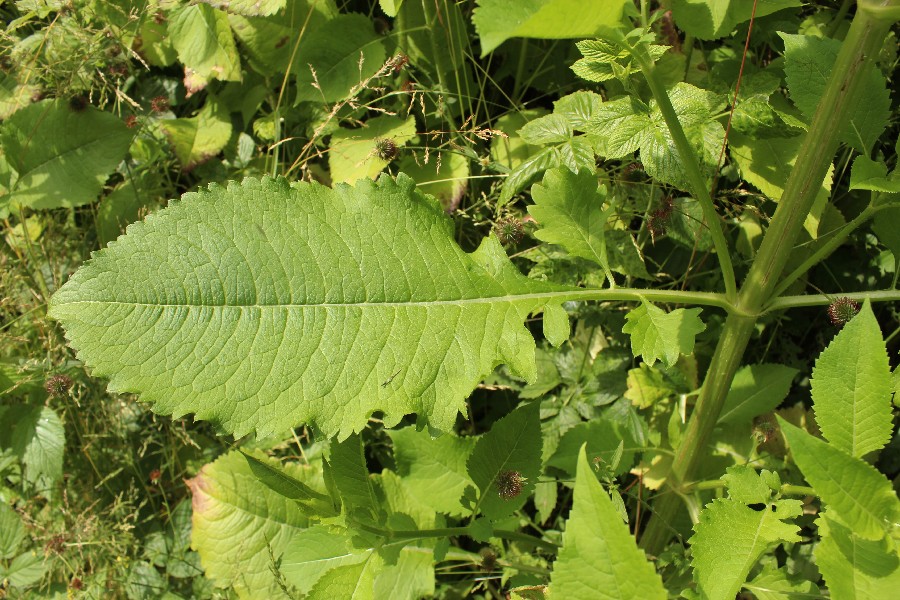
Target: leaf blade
[250,307]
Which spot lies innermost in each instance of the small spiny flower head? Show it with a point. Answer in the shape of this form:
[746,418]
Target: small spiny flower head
[488,558]
[159,104]
[509,484]
[842,310]
[131,122]
[509,231]
[386,149]
[58,385]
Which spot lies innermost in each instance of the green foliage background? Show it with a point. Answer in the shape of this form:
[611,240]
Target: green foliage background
[417,298]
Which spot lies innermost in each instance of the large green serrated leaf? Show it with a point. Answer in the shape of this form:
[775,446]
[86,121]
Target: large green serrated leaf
[711,19]
[512,445]
[853,567]
[61,156]
[336,57]
[499,20]
[746,533]
[265,304]
[202,38]
[656,334]
[240,524]
[857,494]
[809,61]
[756,389]
[599,558]
[851,387]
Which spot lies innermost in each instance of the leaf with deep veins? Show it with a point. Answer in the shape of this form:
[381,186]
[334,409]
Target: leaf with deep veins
[264,305]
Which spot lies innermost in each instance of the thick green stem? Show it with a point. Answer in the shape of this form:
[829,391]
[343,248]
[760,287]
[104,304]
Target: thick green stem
[863,40]
[692,171]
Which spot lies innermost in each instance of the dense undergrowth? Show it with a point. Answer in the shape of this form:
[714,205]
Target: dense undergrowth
[566,319]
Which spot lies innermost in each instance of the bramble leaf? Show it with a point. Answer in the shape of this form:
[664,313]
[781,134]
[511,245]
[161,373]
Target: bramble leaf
[605,59]
[755,390]
[746,533]
[627,124]
[854,490]
[513,444]
[599,558]
[264,304]
[62,156]
[656,334]
[498,20]
[809,61]
[851,387]
[854,567]
[269,42]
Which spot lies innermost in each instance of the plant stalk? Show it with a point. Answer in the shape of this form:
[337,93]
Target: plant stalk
[692,171]
[866,35]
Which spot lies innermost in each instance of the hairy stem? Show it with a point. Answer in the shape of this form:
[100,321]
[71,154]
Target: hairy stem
[864,39]
[692,171]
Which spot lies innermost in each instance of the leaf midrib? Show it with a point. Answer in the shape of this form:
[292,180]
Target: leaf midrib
[550,296]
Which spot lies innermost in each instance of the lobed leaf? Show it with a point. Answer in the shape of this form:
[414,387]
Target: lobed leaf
[851,387]
[264,305]
[745,533]
[656,334]
[599,558]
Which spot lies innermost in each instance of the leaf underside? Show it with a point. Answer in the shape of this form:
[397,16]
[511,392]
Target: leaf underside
[264,305]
